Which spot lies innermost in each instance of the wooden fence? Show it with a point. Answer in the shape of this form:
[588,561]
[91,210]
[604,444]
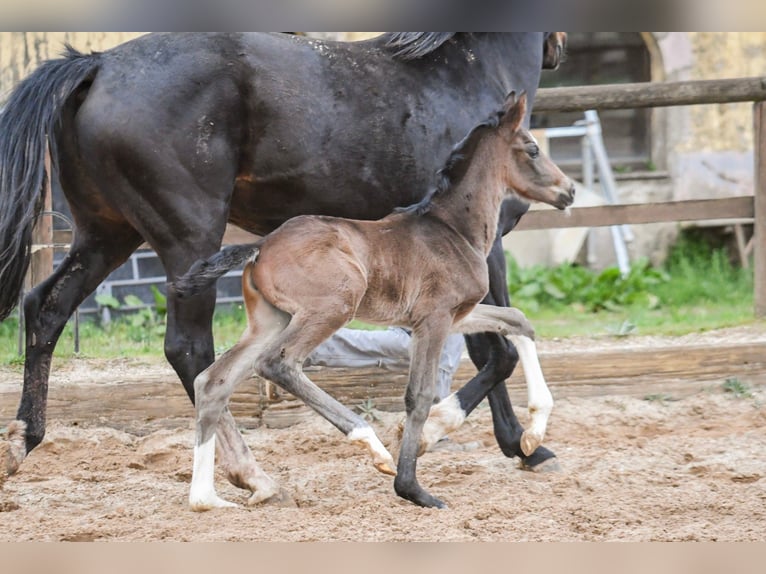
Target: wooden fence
[646,95]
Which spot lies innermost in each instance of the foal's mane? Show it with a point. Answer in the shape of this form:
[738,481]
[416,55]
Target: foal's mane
[456,165]
[414,45]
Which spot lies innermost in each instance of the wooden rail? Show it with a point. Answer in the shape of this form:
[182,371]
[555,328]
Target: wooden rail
[137,398]
[648,95]
[604,215]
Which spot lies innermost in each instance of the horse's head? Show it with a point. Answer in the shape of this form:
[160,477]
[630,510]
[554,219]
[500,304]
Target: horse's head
[554,50]
[531,174]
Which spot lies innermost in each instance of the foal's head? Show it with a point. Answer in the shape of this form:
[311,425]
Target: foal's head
[554,49]
[529,173]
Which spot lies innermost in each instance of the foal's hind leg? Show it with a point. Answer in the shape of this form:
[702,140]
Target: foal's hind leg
[213,387]
[282,363]
[189,348]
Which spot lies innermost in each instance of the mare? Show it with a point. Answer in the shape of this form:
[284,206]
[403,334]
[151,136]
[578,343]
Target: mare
[422,267]
[165,138]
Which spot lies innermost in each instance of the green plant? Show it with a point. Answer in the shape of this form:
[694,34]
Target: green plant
[661,398]
[737,388]
[534,287]
[145,323]
[367,410]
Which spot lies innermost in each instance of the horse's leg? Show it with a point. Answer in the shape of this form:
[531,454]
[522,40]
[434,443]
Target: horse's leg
[282,363]
[214,386]
[510,322]
[48,307]
[427,342]
[189,349]
[495,357]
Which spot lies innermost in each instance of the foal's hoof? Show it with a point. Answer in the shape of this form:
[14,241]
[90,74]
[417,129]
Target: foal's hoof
[530,441]
[281,499]
[423,445]
[210,503]
[12,450]
[386,467]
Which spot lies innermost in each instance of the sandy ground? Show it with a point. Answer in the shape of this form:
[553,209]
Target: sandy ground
[630,469]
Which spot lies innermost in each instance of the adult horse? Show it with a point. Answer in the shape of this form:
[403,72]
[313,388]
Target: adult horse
[166,138]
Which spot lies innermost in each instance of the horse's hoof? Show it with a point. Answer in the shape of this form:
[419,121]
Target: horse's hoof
[529,442]
[12,450]
[281,499]
[542,458]
[547,465]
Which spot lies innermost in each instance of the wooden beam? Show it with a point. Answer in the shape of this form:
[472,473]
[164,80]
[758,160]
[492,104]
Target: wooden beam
[603,215]
[135,399]
[759,226]
[41,265]
[649,95]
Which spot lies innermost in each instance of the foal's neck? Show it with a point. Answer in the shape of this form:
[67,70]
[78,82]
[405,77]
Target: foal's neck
[472,205]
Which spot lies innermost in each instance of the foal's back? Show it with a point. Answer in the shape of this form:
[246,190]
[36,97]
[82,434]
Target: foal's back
[387,271]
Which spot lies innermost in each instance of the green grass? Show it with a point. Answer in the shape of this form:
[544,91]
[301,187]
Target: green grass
[697,289]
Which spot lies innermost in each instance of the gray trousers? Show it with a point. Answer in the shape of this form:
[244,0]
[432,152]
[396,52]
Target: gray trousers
[387,349]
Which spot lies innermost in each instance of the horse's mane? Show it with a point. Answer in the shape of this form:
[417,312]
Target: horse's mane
[414,45]
[456,165]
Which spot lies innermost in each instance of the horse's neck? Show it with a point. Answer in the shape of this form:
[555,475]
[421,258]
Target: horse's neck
[472,206]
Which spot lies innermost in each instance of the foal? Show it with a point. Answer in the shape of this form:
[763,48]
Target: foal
[422,267]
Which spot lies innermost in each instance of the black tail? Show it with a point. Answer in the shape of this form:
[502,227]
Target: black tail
[205,272]
[30,114]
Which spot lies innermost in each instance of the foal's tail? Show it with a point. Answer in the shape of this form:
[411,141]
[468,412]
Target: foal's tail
[204,272]
[31,113]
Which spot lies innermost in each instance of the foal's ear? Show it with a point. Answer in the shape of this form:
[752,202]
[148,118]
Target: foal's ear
[515,109]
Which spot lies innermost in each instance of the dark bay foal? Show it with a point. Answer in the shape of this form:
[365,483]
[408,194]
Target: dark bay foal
[423,267]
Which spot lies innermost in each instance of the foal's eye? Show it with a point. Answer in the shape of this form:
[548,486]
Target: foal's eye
[533,151]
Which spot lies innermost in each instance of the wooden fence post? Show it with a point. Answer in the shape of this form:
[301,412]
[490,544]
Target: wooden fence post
[759,220]
[41,265]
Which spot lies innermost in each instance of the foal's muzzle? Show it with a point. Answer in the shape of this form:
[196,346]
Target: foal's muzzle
[566,198]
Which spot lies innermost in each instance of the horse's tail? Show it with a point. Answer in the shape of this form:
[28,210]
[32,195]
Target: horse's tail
[30,114]
[204,272]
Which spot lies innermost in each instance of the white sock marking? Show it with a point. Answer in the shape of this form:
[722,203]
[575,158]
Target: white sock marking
[539,398]
[202,495]
[381,457]
[444,417]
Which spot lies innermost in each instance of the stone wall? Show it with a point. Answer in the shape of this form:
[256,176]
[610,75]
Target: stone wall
[709,148]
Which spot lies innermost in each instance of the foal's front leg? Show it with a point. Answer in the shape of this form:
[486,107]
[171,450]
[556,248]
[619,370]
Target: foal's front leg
[447,416]
[426,348]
